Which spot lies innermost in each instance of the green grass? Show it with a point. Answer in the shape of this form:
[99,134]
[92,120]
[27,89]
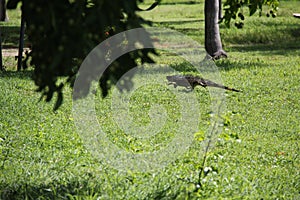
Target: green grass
[256,156]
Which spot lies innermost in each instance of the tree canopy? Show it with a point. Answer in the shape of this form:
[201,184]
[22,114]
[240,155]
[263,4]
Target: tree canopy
[63,32]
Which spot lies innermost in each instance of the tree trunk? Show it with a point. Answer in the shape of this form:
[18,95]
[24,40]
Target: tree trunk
[220,10]
[3,14]
[213,44]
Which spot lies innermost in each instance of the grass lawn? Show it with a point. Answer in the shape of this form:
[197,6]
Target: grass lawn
[256,156]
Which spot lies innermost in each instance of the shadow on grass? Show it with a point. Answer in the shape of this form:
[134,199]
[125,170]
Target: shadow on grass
[228,64]
[223,64]
[178,21]
[280,41]
[289,48]
[180,2]
[27,74]
[57,191]
[68,190]
[269,43]
[10,36]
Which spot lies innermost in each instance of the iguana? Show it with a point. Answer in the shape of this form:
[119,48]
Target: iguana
[190,82]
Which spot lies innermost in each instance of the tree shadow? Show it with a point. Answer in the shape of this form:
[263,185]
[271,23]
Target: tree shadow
[10,36]
[228,64]
[50,191]
[290,48]
[25,74]
[169,22]
[172,24]
[283,41]
[180,2]
[224,64]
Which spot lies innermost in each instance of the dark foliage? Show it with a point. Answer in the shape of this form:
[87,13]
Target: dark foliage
[63,32]
[234,10]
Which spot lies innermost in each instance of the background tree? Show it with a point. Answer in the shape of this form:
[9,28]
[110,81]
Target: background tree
[3,14]
[213,44]
[233,11]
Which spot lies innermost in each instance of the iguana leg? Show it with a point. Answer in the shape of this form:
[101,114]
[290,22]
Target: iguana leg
[173,83]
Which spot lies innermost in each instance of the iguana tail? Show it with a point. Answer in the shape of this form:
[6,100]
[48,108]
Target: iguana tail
[208,83]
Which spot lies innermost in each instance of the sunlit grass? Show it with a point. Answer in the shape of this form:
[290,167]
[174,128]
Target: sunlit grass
[256,156]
